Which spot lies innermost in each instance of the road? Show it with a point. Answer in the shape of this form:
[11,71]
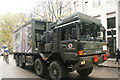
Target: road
[12,71]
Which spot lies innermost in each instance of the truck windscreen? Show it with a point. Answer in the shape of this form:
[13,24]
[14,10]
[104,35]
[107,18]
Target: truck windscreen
[90,32]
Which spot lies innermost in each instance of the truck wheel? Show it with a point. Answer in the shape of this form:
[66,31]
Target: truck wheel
[40,67]
[17,60]
[21,64]
[85,72]
[56,70]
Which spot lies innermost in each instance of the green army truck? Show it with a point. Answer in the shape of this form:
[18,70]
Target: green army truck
[76,42]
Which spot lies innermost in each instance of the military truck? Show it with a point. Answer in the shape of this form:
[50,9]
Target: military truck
[76,42]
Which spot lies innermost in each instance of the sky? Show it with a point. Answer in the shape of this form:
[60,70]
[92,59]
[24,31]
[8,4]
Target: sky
[16,6]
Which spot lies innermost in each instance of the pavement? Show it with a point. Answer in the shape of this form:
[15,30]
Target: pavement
[110,62]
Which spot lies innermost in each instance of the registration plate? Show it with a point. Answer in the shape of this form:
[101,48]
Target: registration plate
[98,51]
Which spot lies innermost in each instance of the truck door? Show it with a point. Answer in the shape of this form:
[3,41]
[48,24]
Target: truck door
[56,40]
[68,41]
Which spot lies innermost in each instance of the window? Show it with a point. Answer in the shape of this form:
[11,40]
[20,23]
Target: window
[111,22]
[112,44]
[91,32]
[67,32]
[96,3]
[109,32]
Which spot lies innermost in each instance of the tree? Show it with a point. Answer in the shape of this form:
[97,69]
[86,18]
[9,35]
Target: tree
[8,23]
[52,10]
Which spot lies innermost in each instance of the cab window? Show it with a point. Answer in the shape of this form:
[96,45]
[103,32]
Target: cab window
[67,32]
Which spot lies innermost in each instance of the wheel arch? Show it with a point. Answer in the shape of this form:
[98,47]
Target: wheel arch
[17,54]
[40,56]
[37,56]
[55,56]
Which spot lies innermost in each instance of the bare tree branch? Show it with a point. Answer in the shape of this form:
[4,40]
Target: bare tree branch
[51,10]
[39,15]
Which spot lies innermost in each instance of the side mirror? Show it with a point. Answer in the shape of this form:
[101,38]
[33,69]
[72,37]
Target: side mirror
[103,30]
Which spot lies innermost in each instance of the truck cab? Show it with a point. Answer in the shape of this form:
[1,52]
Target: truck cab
[79,42]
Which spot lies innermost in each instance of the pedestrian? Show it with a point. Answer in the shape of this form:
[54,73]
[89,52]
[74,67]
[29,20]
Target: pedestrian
[6,55]
[4,47]
[117,56]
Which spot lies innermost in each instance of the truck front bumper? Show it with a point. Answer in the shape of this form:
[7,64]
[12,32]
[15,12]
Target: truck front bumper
[89,61]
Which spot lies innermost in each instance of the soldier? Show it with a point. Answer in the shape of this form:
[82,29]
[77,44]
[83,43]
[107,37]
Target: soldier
[117,56]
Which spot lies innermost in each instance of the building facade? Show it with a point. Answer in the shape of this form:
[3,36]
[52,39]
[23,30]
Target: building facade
[108,12]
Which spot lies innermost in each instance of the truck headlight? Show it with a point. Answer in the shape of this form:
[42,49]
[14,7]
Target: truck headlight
[83,62]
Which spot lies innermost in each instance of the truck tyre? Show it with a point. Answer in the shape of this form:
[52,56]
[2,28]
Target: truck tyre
[21,64]
[56,70]
[40,67]
[17,60]
[85,72]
